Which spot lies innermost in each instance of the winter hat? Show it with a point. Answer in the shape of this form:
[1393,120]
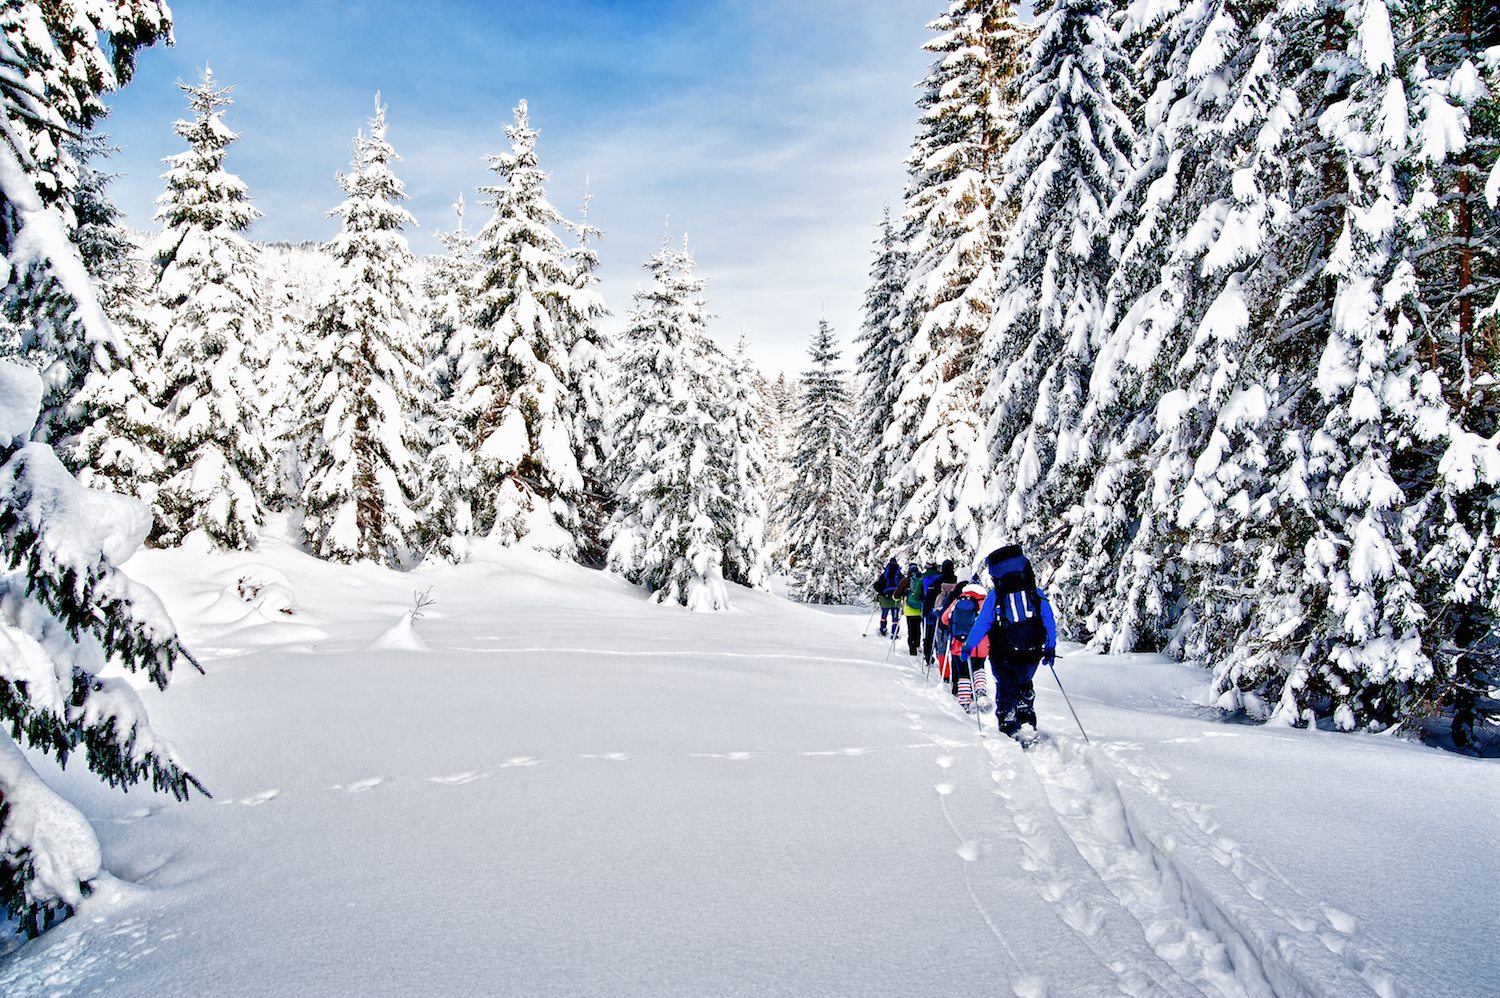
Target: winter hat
[948,575]
[973,589]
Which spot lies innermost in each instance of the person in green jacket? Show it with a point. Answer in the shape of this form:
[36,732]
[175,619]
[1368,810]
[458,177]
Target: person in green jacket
[911,608]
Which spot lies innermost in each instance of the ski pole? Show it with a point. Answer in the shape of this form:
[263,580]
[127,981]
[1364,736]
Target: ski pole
[869,622]
[1052,667]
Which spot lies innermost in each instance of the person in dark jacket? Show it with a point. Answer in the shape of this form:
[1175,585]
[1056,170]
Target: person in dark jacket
[888,595]
[932,584]
[1017,618]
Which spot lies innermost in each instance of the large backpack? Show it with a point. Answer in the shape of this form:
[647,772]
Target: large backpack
[914,592]
[1018,613]
[961,619]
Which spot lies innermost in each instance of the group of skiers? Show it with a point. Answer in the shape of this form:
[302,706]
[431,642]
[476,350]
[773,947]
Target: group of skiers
[961,626]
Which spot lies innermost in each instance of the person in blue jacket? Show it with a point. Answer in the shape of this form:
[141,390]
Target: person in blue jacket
[932,585]
[1017,617]
[888,594]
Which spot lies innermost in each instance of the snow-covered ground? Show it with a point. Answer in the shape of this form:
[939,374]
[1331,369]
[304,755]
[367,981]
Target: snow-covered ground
[547,786]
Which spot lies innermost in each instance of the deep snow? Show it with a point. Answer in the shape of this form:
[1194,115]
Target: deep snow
[547,786]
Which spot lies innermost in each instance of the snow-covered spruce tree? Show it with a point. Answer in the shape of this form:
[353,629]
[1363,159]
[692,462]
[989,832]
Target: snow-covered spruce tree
[882,344]
[955,216]
[365,442]
[669,529]
[208,309]
[1456,90]
[1185,233]
[64,610]
[104,431]
[746,559]
[511,384]
[1390,490]
[589,365]
[65,613]
[821,503]
[1064,169]
[56,70]
[444,505]
[778,417]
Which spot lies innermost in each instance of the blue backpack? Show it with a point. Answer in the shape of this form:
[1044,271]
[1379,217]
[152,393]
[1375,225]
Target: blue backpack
[961,620]
[1018,613]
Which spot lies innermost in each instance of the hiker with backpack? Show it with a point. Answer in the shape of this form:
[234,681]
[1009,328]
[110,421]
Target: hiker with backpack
[970,680]
[1017,618]
[887,588]
[932,584]
[911,607]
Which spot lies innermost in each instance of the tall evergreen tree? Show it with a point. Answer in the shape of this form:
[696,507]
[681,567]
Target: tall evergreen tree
[882,348]
[104,430]
[208,309]
[777,423]
[1064,169]
[668,532]
[956,215]
[511,385]
[589,363]
[366,444]
[1203,71]
[746,558]
[821,504]
[65,611]
[450,481]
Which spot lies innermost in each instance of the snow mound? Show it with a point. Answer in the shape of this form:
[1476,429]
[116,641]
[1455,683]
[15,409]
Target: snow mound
[400,636]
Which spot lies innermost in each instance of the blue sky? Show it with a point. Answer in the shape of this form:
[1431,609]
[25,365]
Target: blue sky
[770,131]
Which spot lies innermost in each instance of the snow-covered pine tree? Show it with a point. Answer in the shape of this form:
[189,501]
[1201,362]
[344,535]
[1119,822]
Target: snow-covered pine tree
[779,416]
[955,219]
[364,440]
[103,431]
[1456,93]
[1202,69]
[207,307]
[746,559]
[821,503]
[669,528]
[56,72]
[511,385]
[589,364]
[881,342]
[449,479]
[1064,170]
[65,611]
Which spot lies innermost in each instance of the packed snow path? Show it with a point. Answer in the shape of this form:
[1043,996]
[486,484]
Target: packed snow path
[549,787]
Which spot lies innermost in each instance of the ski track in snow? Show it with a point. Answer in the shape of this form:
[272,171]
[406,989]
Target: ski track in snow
[1148,882]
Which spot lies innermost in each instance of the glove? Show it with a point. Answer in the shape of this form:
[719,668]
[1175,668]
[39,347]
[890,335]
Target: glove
[1049,658]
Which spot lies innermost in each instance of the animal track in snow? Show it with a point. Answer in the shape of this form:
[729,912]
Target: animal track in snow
[842,751]
[457,779]
[731,756]
[944,789]
[255,800]
[520,762]
[610,756]
[360,786]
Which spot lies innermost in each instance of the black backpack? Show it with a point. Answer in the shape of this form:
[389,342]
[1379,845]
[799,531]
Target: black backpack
[1018,623]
